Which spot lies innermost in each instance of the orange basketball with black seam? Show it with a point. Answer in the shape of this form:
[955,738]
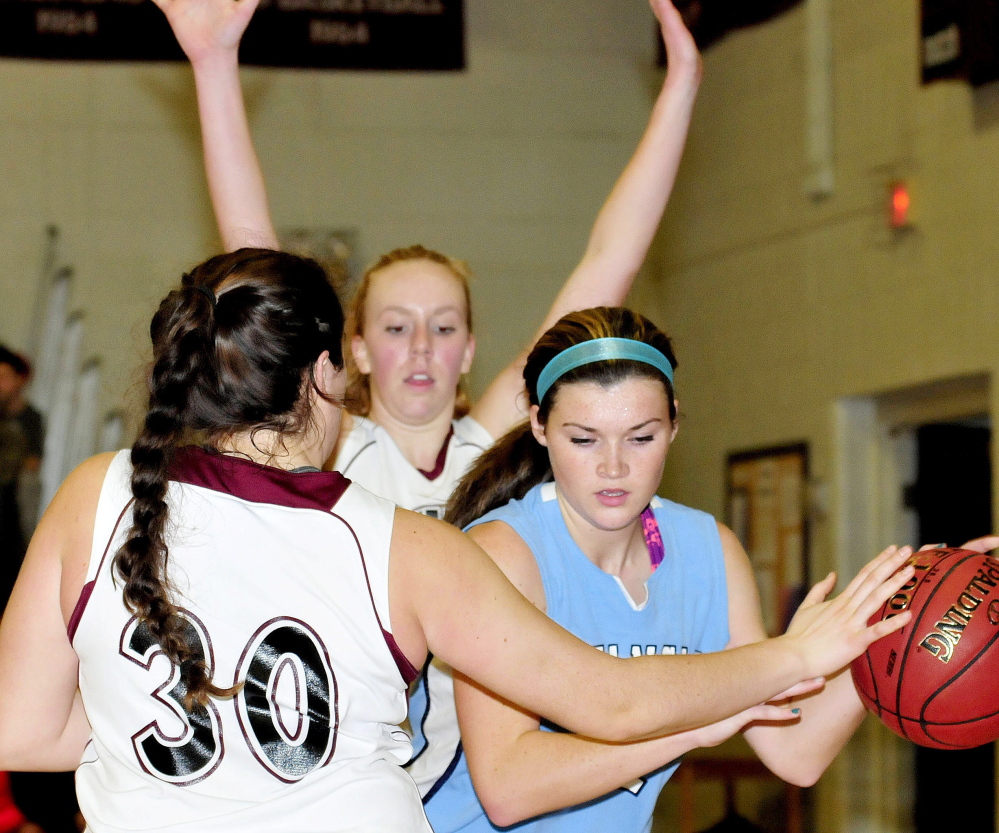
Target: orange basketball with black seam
[936,681]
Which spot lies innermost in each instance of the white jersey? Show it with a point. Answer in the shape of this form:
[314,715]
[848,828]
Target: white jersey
[369,456]
[283,579]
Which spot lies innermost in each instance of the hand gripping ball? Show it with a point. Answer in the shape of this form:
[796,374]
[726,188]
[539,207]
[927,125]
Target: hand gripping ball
[936,681]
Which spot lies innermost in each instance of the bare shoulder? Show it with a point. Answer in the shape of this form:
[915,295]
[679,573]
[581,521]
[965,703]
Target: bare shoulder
[426,548]
[744,617]
[415,533]
[513,557]
[433,566]
[81,490]
[65,533]
[732,549]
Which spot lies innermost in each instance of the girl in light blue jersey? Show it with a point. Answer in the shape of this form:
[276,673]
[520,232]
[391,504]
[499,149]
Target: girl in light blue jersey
[566,506]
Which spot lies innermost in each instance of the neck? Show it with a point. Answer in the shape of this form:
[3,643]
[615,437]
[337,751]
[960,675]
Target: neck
[619,552]
[269,448]
[420,444]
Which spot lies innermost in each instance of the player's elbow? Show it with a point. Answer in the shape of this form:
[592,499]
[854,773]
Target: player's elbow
[506,807]
[504,796]
[501,813]
[15,753]
[799,773]
[800,778]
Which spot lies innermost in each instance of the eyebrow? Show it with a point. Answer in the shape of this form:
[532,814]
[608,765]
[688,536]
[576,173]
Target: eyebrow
[407,311]
[638,427]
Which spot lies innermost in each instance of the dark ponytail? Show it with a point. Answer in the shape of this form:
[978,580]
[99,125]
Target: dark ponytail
[517,462]
[506,471]
[231,350]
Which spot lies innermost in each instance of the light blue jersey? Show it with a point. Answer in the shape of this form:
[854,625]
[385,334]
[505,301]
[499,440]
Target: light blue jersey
[686,613]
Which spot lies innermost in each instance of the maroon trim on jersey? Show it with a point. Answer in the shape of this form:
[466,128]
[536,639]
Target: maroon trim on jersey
[88,588]
[255,482]
[81,605]
[438,468]
[407,670]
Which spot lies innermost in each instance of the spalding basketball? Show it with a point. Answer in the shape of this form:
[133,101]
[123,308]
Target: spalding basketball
[936,681]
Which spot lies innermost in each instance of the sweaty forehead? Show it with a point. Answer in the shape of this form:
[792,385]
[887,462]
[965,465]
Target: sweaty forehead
[415,284]
[636,397]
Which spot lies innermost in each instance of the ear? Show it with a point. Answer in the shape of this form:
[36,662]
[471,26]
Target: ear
[359,349]
[537,428]
[325,373]
[466,360]
[676,422]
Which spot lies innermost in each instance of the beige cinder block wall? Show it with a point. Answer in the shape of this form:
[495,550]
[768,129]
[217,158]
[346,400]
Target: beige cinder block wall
[782,305]
[505,165]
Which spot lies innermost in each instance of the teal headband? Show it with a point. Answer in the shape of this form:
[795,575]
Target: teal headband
[601,350]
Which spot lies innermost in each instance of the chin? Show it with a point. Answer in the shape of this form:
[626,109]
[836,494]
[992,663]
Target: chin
[612,521]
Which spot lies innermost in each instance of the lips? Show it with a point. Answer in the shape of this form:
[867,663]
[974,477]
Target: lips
[419,380]
[613,497]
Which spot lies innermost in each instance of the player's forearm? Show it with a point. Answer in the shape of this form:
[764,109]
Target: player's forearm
[235,180]
[799,753]
[547,771]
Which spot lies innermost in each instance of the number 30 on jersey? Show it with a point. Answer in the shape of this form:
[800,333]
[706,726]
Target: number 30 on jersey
[284,659]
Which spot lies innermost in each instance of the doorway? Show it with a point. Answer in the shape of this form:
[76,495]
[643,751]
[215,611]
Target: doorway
[952,500]
[907,463]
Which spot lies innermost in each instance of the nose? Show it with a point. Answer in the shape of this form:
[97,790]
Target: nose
[612,464]
[419,344]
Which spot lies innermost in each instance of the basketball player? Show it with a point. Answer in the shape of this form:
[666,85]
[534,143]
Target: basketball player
[225,633]
[566,505]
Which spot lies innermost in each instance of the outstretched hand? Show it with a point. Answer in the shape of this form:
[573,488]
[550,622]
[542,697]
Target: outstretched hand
[835,632]
[683,57]
[205,28]
[986,543]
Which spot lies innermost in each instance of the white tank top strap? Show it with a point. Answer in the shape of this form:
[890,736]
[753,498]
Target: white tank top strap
[116,497]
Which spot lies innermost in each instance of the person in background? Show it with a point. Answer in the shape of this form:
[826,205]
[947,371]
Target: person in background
[21,441]
[47,799]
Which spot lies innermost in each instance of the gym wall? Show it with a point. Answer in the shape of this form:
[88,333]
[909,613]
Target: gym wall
[505,165]
[783,306]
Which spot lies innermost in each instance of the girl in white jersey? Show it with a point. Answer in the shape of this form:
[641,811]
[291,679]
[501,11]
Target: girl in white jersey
[410,436]
[221,635]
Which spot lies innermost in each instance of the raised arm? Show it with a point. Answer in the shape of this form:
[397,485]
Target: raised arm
[520,771]
[42,722]
[799,752]
[447,595]
[627,223]
[209,32]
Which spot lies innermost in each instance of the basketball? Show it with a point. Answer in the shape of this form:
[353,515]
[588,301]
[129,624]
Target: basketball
[936,681]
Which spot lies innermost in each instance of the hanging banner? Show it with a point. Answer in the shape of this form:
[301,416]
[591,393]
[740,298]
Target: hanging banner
[321,34]
[710,20]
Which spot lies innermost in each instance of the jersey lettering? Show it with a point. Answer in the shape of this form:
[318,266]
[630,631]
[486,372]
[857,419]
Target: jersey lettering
[645,650]
[635,787]
[195,748]
[287,706]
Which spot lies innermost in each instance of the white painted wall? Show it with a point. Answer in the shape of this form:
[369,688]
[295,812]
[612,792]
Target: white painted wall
[504,165]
